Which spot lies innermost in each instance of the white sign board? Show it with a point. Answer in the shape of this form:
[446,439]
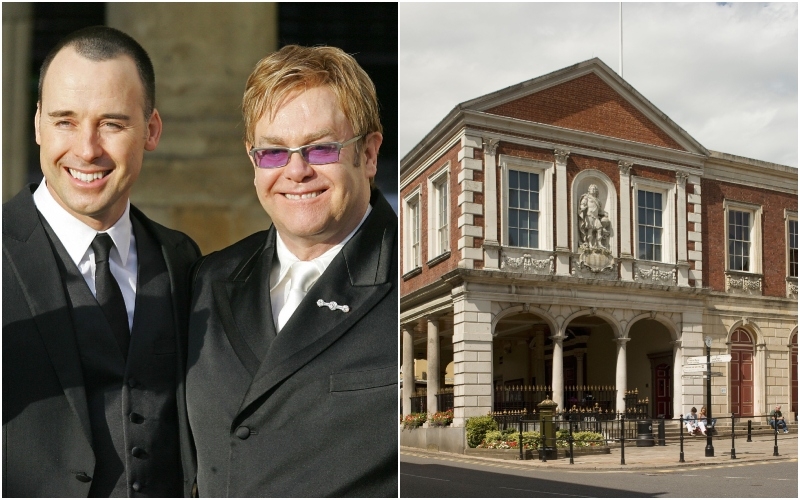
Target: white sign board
[717,358]
[694,368]
[702,375]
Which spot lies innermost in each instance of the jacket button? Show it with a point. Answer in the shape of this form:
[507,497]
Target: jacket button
[136,486]
[132,382]
[137,452]
[136,418]
[82,477]
[243,432]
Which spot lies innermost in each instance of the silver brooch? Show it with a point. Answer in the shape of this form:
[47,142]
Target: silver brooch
[333,306]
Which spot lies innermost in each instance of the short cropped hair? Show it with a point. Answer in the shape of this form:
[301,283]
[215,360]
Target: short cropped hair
[295,68]
[101,43]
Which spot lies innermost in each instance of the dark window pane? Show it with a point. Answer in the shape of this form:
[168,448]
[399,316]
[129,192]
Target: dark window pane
[523,180]
[513,198]
[513,179]
[513,217]
[513,237]
[534,220]
[523,238]
[534,201]
[534,239]
[524,200]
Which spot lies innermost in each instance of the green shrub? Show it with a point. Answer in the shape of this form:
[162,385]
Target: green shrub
[477,427]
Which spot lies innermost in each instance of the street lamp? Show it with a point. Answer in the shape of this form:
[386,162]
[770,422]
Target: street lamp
[709,444]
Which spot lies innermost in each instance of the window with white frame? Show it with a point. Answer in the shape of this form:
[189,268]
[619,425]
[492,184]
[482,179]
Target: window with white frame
[439,212]
[654,216]
[743,234]
[527,203]
[651,225]
[412,232]
[791,228]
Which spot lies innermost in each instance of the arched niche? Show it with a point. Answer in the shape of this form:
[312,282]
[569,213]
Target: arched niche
[607,195]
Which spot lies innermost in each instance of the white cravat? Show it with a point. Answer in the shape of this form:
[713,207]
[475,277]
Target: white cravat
[303,274]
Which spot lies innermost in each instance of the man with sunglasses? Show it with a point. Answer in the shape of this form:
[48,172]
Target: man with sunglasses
[292,378]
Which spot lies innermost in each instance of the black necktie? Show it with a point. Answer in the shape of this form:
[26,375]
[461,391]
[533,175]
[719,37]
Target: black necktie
[109,295]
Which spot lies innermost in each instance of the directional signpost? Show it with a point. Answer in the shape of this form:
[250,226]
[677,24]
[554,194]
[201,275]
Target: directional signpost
[701,360]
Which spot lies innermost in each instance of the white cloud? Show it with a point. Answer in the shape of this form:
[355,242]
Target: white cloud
[727,74]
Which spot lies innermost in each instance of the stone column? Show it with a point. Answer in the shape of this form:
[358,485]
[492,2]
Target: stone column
[622,373]
[17,114]
[683,263]
[408,367]
[558,369]
[433,363]
[199,179]
[491,243]
[677,376]
[562,215]
[760,404]
[472,356]
[625,233]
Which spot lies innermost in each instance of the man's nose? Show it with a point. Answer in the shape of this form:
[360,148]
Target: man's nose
[298,168]
[87,145]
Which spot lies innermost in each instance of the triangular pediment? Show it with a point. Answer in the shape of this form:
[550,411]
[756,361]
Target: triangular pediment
[587,97]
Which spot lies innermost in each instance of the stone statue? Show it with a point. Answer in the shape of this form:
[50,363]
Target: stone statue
[594,224]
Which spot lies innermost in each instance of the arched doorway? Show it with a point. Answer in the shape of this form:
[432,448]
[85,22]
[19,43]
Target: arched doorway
[741,380]
[793,371]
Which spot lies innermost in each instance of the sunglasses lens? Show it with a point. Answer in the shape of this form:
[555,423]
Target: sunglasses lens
[320,154]
[271,158]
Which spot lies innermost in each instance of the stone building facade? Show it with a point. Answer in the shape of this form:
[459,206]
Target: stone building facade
[564,232]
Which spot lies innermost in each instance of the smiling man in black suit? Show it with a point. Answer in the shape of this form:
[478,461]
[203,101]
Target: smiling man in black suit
[95,295]
[292,380]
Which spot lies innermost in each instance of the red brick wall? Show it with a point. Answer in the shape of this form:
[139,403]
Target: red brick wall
[429,275]
[773,236]
[588,104]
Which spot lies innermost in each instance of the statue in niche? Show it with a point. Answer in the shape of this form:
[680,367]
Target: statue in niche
[594,224]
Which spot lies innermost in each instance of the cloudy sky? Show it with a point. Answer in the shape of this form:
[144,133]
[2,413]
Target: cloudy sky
[725,73]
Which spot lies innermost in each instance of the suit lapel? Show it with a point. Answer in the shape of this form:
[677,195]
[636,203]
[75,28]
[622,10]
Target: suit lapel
[358,277]
[28,248]
[244,306]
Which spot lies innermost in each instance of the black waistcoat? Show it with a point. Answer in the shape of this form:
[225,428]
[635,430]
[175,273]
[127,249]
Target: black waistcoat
[132,406]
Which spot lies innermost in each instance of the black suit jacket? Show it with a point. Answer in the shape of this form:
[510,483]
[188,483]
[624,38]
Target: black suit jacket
[309,412]
[47,439]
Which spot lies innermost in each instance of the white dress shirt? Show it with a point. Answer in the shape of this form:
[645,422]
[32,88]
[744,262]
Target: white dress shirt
[279,275]
[77,239]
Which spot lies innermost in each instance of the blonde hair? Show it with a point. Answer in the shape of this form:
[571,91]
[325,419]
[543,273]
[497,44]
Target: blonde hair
[294,69]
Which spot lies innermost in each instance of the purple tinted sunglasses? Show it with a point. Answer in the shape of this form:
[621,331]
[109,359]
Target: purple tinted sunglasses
[313,154]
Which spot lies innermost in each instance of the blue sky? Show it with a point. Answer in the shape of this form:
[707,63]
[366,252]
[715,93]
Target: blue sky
[726,73]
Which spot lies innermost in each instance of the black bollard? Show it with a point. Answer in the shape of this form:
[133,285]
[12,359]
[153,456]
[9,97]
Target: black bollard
[662,433]
[749,430]
[681,459]
[521,452]
[775,449]
[571,454]
[733,437]
[622,440]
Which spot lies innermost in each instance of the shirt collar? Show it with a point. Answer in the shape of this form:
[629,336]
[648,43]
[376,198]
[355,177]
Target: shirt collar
[76,236]
[286,258]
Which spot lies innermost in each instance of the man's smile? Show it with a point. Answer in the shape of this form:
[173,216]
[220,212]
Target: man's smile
[87,176]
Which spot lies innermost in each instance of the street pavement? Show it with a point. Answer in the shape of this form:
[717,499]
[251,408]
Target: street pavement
[761,449]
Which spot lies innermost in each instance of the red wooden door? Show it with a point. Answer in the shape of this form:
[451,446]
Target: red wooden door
[663,398]
[793,373]
[741,393]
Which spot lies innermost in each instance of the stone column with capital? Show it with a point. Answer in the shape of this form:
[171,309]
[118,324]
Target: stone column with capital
[434,382]
[622,373]
[558,369]
[625,234]
[562,213]
[491,242]
[408,367]
[683,263]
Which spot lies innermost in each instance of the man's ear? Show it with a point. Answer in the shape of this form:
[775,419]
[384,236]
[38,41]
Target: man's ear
[372,144]
[154,128]
[36,118]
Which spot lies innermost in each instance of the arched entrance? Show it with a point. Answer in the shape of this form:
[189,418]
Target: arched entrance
[741,379]
[650,365]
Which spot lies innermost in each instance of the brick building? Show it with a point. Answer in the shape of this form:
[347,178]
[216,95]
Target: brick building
[564,233]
